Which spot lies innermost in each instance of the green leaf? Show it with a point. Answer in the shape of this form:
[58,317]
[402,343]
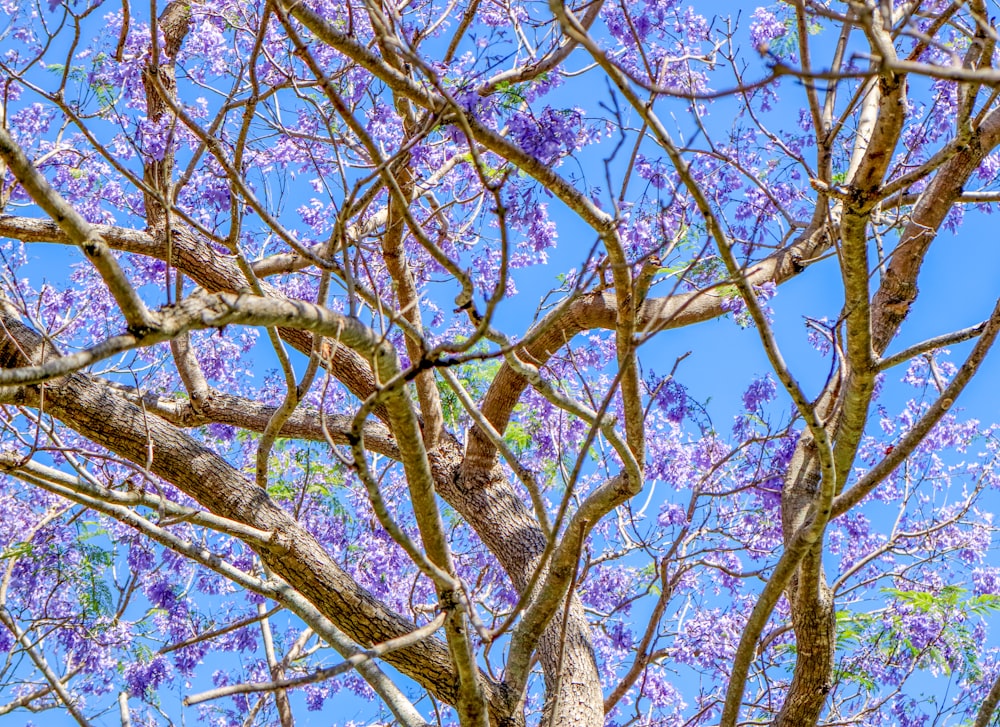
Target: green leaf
[18,550]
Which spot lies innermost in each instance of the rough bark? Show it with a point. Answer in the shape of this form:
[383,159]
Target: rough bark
[103,415]
[873,321]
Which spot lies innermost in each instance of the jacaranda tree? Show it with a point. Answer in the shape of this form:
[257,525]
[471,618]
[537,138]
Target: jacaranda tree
[353,380]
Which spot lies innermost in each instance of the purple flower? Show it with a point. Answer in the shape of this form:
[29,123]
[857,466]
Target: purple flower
[732,303]
[672,399]
[765,27]
[760,392]
[548,136]
[986,581]
[144,678]
[162,594]
[671,514]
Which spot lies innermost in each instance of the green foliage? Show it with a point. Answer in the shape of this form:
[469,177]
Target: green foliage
[476,377]
[512,95]
[291,466]
[94,591]
[18,550]
[517,436]
[946,600]
[949,608]
[950,646]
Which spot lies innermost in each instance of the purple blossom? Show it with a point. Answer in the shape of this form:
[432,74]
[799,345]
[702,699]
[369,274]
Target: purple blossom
[162,594]
[658,689]
[549,136]
[733,304]
[671,397]
[760,392]
[671,514]
[145,677]
[655,170]
[711,516]
[986,581]
[189,657]
[765,27]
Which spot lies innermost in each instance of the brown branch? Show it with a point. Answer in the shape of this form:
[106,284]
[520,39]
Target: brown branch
[218,407]
[987,710]
[42,664]
[599,310]
[295,555]
[276,668]
[550,593]
[851,497]
[931,344]
[213,272]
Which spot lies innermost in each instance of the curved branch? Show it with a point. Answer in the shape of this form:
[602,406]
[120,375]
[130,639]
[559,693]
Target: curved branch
[294,554]
[851,497]
[599,310]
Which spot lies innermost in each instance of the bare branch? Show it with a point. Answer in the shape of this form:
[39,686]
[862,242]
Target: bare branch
[320,675]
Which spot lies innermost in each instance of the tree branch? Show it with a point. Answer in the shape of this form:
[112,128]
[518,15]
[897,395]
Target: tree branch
[79,231]
[352,662]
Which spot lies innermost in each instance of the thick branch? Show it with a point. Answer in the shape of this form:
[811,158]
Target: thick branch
[922,426]
[212,271]
[988,709]
[600,310]
[109,420]
[218,407]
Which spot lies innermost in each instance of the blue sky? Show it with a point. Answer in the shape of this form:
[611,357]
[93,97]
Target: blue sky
[959,285]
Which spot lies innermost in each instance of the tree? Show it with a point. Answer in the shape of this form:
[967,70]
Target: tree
[284,412]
